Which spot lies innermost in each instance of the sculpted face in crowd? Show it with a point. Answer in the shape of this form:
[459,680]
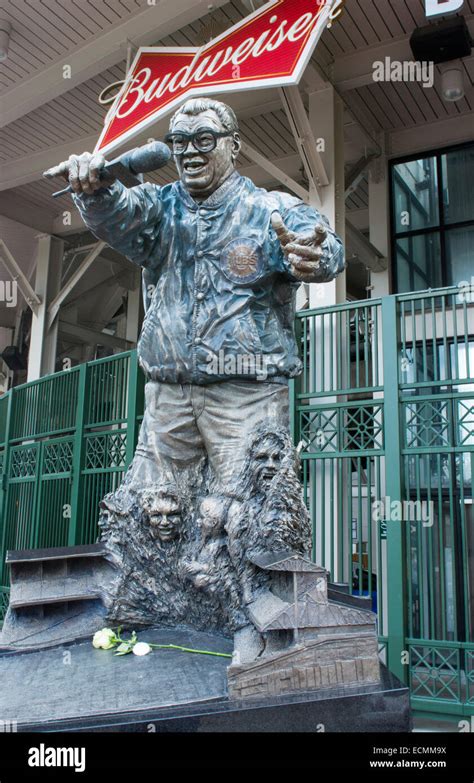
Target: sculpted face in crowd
[164,516]
[268,457]
[212,517]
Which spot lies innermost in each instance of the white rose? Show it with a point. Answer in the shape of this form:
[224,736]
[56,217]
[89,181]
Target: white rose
[104,639]
[141,648]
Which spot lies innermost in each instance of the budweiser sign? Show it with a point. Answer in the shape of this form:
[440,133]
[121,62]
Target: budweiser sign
[271,47]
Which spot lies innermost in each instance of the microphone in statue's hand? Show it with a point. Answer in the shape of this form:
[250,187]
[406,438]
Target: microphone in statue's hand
[141,160]
[126,167]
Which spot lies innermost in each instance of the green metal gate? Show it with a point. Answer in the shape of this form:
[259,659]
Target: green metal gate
[65,441]
[384,415]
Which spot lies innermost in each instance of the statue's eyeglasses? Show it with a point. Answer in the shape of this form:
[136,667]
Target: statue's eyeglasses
[204,140]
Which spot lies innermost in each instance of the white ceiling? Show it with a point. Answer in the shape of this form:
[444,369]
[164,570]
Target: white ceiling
[55,117]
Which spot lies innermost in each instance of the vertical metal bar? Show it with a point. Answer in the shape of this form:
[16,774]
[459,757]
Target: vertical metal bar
[360,542]
[4,491]
[466,340]
[369,522]
[420,559]
[38,520]
[322,514]
[396,565]
[77,494]
[434,339]
[357,360]
[452,519]
[314,350]
[339,382]
[445,337]
[322,354]
[332,349]
[380,569]
[423,338]
[305,355]
[455,337]
[464,555]
[366,345]
[294,388]
[442,575]
[340,518]
[375,343]
[132,424]
[331,521]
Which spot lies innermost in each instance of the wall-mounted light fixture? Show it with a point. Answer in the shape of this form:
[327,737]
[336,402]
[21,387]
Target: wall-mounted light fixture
[5,30]
[452,83]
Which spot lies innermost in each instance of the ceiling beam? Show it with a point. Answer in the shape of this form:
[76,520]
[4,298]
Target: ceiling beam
[14,207]
[102,51]
[442,133]
[289,165]
[83,334]
[359,218]
[365,251]
[29,168]
[356,70]
[55,305]
[274,171]
[121,280]
[356,173]
[304,138]
[17,275]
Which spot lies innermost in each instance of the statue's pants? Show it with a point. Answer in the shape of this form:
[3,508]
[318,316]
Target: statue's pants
[184,422]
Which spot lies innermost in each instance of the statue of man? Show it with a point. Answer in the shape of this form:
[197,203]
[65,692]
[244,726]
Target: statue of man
[222,260]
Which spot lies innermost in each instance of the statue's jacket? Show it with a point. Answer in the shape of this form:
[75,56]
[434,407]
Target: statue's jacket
[219,291]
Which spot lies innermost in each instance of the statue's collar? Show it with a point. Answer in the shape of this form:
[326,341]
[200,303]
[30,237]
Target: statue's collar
[221,194]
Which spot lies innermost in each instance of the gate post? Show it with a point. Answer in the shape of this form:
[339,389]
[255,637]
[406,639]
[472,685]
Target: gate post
[294,389]
[77,494]
[4,488]
[396,558]
[135,393]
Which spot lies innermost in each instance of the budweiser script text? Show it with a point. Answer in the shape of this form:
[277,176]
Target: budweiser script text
[145,87]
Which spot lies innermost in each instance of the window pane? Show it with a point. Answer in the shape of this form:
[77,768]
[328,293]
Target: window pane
[460,255]
[415,196]
[419,261]
[458,185]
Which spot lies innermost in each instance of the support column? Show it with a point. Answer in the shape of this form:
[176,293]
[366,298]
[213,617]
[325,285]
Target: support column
[379,222]
[328,477]
[134,305]
[43,341]
[326,116]
[379,235]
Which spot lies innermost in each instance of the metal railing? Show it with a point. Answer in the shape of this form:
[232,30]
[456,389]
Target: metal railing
[384,414]
[65,441]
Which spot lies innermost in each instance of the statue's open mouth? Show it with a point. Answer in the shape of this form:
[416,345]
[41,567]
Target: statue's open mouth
[194,166]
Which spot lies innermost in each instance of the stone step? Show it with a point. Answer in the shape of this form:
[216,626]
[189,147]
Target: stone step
[343,587]
[54,553]
[343,597]
[56,595]
[38,591]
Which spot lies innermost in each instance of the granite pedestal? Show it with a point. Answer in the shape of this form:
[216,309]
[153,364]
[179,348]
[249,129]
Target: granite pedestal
[75,687]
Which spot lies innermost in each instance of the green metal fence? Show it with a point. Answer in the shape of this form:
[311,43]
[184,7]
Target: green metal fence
[65,441]
[384,414]
[384,417]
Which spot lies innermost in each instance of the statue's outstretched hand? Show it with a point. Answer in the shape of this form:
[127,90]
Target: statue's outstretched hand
[81,171]
[304,251]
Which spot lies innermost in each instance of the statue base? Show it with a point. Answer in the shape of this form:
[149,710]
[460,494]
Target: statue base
[84,689]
